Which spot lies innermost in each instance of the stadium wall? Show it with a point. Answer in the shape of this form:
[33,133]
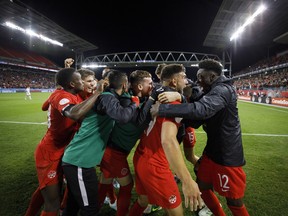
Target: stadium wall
[16,90]
[265,99]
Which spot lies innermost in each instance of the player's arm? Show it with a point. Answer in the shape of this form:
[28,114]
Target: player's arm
[111,106]
[78,112]
[175,158]
[169,96]
[45,105]
[189,141]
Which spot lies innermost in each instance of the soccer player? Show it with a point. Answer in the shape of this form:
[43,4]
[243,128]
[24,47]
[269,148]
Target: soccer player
[86,149]
[62,124]
[123,138]
[159,150]
[220,168]
[28,93]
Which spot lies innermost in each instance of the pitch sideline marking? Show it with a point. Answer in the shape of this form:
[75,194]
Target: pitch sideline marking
[16,122]
[244,134]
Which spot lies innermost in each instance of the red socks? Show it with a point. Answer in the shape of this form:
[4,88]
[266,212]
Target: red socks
[136,209]
[124,198]
[43,213]
[212,202]
[111,193]
[64,199]
[103,190]
[239,211]
[35,204]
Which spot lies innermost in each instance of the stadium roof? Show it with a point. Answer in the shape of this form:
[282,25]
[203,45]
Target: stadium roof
[233,13]
[17,12]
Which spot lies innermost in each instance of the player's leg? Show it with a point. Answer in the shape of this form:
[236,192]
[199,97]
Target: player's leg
[178,211]
[51,195]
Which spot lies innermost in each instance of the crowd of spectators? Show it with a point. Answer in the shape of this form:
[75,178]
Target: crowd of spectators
[265,63]
[20,77]
[276,79]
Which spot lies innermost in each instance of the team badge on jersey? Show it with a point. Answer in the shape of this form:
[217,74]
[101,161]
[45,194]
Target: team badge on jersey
[172,199]
[124,171]
[51,174]
[63,101]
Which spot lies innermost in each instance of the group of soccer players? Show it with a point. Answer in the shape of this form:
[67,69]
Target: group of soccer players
[101,126]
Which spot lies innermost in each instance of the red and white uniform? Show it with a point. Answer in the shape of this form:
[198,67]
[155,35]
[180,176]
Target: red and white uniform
[60,131]
[152,172]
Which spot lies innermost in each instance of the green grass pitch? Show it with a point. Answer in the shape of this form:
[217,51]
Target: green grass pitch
[265,140]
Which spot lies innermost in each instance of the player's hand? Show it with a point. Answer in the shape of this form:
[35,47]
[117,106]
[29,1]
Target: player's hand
[169,96]
[158,89]
[192,195]
[68,62]
[101,85]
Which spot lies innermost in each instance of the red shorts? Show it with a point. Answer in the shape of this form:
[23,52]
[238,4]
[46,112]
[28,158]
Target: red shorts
[229,182]
[114,164]
[189,139]
[157,184]
[48,166]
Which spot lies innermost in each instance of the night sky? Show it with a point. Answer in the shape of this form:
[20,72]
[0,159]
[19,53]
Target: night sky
[122,26]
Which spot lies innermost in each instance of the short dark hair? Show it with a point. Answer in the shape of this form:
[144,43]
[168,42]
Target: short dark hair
[169,70]
[159,68]
[138,75]
[116,79]
[211,64]
[64,76]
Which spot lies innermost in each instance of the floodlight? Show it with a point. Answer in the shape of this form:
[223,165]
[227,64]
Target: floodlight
[32,33]
[247,22]
[93,66]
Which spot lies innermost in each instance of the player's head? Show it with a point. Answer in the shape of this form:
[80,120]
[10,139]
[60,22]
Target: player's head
[141,83]
[88,77]
[209,71]
[69,79]
[174,75]
[159,69]
[118,80]
[105,72]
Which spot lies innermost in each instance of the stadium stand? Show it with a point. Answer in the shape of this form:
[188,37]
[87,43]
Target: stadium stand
[265,82]
[25,57]
[19,69]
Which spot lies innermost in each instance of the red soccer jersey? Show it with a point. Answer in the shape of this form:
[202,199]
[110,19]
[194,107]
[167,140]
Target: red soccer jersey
[60,128]
[150,146]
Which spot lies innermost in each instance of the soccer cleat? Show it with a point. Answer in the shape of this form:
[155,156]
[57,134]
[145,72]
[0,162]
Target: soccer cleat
[205,211]
[116,184]
[177,180]
[107,200]
[151,208]
[113,205]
